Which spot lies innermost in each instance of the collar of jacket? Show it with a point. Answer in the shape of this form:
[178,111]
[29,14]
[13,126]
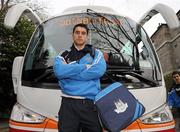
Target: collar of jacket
[86,49]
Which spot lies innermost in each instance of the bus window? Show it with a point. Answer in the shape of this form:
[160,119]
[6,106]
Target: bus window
[129,52]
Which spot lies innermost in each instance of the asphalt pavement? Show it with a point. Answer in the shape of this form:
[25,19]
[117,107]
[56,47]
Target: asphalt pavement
[177,124]
[4,125]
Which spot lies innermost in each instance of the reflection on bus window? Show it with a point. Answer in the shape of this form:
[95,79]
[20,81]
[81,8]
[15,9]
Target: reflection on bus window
[126,47]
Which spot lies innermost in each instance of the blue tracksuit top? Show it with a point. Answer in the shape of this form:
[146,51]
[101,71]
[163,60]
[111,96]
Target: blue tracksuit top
[76,79]
[173,99]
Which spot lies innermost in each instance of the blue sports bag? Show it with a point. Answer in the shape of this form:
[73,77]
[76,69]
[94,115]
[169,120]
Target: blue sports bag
[117,107]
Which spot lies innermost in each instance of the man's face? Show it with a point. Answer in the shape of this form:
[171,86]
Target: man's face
[80,36]
[176,78]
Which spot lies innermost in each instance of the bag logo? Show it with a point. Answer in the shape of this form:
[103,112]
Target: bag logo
[120,106]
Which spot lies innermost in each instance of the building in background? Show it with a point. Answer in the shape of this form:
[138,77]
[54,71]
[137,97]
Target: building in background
[167,44]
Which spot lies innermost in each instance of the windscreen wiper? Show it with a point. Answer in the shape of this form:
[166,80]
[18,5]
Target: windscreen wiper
[134,73]
[142,78]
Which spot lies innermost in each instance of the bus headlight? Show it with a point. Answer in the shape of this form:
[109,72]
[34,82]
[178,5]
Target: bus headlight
[160,115]
[21,114]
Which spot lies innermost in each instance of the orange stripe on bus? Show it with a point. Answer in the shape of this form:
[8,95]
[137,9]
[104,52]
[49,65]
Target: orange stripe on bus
[159,125]
[132,126]
[48,123]
[52,124]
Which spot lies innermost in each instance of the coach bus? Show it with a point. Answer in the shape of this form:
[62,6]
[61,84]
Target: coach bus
[129,53]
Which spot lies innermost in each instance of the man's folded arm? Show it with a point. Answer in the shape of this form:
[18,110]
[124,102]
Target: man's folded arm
[63,70]
[93,71]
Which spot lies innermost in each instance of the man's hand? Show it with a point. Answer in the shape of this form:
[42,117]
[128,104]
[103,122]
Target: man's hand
[64,62]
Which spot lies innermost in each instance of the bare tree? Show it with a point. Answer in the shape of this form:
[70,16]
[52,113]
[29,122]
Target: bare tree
[4,5]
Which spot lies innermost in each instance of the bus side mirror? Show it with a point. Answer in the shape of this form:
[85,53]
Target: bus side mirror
[16,72]
[166,12]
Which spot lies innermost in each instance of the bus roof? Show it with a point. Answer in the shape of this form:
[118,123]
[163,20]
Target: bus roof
[84,9]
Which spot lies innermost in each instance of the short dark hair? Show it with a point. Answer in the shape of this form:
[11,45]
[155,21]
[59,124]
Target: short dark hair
[176,72]
[81,25]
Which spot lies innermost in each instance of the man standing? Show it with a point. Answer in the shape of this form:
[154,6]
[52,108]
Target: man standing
[174,94]
[78,71]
